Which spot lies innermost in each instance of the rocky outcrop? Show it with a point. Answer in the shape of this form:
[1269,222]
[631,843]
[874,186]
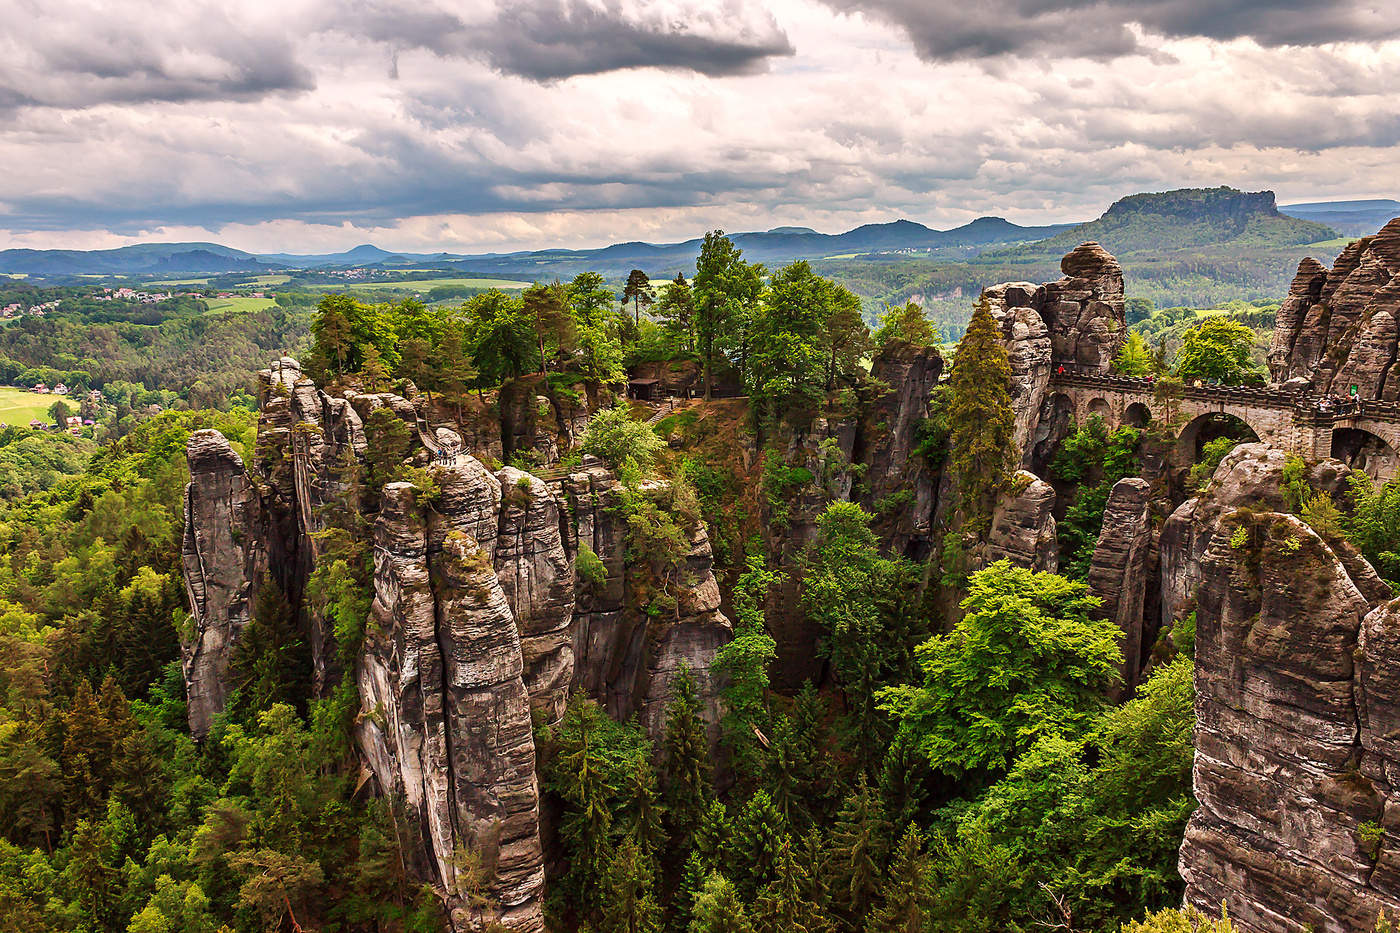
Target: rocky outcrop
[537,577]
[1337,329]
[907,376]
[479,613]
[446,720]
[1250,475]
[221,562]
[1118,571]
[626,658]
[1077,321]
[1023,526]
[1294,748]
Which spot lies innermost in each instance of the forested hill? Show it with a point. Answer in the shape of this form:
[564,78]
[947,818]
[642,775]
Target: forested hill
[1185,219]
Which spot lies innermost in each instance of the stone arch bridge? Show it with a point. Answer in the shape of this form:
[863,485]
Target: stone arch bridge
[1364,433]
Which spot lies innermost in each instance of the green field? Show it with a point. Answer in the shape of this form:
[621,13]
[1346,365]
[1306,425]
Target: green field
[424,285]
[260,281]
[217,305]
[18,406]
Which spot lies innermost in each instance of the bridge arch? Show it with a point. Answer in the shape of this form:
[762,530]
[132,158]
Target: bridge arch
[1209,426]
[1365,450]
[1137,415]
[1099,406]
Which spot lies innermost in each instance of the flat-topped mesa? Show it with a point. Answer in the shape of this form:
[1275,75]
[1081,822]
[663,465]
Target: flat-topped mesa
[1338,329]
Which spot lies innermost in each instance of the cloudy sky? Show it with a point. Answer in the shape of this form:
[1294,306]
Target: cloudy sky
[473,125]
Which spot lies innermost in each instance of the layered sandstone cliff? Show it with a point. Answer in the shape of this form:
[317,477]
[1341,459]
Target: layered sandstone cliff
[1338,328]
[479,616]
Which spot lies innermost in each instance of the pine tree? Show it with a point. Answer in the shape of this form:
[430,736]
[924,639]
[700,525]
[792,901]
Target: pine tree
[547,308]
[783,906]
[586,827]
[629,892]
[642,818]
[454,371]
[372,370]
[859,843]
[414,354]
[718,908]
[712,837]
[686,761]
[981,423]
[907,896]
[760,834]
[638,291]
[692,882]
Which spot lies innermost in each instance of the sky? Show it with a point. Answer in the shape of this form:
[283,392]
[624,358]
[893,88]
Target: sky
[477,125]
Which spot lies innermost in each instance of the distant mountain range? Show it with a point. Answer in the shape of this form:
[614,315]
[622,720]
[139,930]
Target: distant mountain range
[1143,223]
[1349,218]
[781,244]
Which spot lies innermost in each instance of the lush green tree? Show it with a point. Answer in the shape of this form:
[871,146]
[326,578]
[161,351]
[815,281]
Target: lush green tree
[640,292]
[1093,459]
[867,608]
[981,424]
[59,413]
[906,896]
[546,307]
[1218,351]
[800,773]
[860,845]
[415,363]
[784,905]
[724,294]
[759,835]
[676,309]
[1136,357]
[718,908]
[500,336]
[906,324]
[629,892]
[1026,660]
[742,665]
[685,764]
[622,442]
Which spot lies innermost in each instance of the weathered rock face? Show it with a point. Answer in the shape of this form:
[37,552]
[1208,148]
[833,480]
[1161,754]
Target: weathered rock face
[221,563]
[910,373]
[1338,328]
[624,658]
[1250,475]
[478,616]
[447,718]
[1118,571]
[1294,748]
[1023,526]
[1077,321]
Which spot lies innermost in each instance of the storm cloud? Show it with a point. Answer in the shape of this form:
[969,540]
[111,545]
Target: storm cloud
[949,30]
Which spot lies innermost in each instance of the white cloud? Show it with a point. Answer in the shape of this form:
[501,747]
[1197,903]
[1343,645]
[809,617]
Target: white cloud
[381,131]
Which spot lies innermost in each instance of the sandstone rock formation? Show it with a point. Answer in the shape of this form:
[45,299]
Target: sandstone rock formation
[1118,571]
[1023,526]
[1338,328]
[908,375]
[220,567]
[1294,748]
[1077,321]
[478,615]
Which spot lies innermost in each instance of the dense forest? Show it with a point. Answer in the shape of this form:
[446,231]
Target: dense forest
[967,761]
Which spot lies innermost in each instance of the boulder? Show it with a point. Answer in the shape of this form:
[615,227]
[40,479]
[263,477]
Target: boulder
[1023,526]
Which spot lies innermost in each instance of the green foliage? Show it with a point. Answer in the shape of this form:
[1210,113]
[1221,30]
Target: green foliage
[1025,661]
[589,565]
[1135,358]
[1373,523]
[1218,351]
[1212,452]
[724,296]
[1094,459]
[718,909]
[621,442]
[866,607]
[1171,920]
[686,778]
[907,325]
[742,665]
[982,452]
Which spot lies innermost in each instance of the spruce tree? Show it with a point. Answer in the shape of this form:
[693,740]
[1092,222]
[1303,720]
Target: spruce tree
[760,834]
[784,905]
[859,844]
[718,908]
[981,423]
[685,761]
[907,896]
[642,818]
[373,372]
[629,903]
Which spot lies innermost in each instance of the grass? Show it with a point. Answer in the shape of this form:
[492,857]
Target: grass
[18,406]
[425,285]
[241,304]
[1338,244]
[258,281]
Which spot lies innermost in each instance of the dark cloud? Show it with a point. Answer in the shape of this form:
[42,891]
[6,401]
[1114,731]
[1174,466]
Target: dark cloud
[545,40]
[944,30]
[72,56]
